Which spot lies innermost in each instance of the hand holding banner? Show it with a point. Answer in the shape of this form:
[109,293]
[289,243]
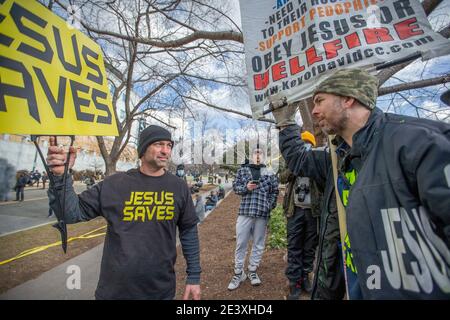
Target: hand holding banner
[292,45]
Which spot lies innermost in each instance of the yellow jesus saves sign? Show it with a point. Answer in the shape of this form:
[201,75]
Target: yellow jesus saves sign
[52,76]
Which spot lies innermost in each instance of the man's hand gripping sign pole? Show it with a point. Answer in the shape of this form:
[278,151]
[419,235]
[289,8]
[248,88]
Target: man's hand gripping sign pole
[52,82]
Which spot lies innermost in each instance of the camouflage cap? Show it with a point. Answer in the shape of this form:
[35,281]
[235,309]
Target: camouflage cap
[355,83]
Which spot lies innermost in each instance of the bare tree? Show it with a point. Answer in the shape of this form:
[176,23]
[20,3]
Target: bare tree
[191,34]
[144,78]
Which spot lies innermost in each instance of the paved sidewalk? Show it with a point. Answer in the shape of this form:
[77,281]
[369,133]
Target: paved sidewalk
[52,285]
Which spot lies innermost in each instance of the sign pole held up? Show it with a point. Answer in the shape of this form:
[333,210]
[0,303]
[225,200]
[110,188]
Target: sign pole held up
[56,88]
[61,224]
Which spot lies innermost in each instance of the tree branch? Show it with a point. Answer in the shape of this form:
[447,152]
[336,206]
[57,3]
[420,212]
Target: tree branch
[113,70]
[227,110]
[146,113]
[197,35]
[414,85]
[384,75]
[430,5]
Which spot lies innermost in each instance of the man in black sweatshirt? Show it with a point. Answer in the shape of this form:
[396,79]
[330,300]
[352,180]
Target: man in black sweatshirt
[143,208]
[393,178]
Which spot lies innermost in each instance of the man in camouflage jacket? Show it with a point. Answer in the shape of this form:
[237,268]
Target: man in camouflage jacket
[393,179]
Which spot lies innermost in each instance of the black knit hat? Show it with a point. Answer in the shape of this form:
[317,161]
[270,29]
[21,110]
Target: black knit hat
[152,134]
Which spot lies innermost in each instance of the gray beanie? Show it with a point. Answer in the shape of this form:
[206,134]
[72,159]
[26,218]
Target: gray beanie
[150,135]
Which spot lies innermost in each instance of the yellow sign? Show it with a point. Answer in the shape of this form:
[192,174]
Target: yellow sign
[52,76]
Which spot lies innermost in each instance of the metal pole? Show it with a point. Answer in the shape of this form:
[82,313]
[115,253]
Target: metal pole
[35,155]
[380,66]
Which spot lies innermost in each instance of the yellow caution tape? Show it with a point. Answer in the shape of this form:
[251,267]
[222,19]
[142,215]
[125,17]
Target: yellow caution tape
[28,252]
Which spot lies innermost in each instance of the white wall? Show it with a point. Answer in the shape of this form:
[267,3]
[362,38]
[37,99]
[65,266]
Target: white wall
[22,156]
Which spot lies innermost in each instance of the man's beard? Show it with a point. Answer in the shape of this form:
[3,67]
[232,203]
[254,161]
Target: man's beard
[338,125]
[158,164]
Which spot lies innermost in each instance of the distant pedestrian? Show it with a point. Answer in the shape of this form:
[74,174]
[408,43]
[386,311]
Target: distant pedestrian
[211,201]
[89,181]
[221,192]
[199,208]
[35,177]
[22,180]
[7,179]
[44,179]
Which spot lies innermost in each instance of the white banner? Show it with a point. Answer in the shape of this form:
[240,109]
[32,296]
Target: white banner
[293,45]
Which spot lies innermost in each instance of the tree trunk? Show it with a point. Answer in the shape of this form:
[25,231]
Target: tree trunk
[110,165]
[306,107]
[109,157]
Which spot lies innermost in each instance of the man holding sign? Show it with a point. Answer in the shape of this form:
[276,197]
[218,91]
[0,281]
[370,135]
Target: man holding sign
[52,76]
[392,179]
[143,208]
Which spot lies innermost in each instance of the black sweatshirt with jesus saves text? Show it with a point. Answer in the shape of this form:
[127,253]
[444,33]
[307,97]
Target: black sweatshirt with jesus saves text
[143,213]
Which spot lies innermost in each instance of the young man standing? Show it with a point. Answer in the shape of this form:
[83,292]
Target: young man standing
[259,190]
